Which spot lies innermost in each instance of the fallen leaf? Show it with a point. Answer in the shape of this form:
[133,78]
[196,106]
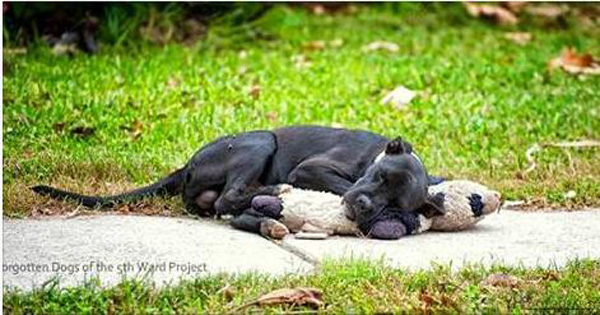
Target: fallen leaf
[399,97]
[254,91]
[496,13]
[551,275]
[124,208]
[501,280]
[521,38]
[549,11]
[381,45]
[228,292]
[316,9]
[330,8]
[272,117]
[426,298]
[134,129]
[574,63]
[299,296]
[315,45]
[83,131]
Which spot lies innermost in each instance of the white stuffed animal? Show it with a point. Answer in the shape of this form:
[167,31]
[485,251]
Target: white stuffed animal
[460,213]
[464,204]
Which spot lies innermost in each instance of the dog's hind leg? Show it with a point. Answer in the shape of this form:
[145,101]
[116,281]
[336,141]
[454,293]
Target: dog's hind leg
[232,166]
[247,161]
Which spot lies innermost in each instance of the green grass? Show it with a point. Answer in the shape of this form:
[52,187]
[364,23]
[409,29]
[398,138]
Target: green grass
[484,101]
[348,287]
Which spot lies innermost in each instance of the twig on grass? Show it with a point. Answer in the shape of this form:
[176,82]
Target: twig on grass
[574,144]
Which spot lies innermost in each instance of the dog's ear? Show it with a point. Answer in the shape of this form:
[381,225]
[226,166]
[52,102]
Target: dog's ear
[434,206]
[398,146]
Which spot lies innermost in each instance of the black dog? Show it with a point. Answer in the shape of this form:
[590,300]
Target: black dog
[370,171]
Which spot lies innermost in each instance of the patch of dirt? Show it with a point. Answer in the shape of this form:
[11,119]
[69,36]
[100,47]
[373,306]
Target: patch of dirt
[21,202]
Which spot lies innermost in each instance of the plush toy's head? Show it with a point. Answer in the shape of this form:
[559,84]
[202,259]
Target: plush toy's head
[464,204]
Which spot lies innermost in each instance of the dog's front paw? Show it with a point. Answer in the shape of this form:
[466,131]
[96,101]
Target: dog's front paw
[273,229]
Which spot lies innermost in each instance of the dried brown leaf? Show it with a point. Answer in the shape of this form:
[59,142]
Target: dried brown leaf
[426,298]
[296,296]
[521,38]
[315,45]
[272,117]
[501,280]
[549,11]
[135,129]
[299,296]
[496,13]
[574,63]
[228,292]
[316,9]
[330,8]
[254,91]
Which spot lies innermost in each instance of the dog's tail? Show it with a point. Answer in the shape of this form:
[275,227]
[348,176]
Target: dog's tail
[168,186]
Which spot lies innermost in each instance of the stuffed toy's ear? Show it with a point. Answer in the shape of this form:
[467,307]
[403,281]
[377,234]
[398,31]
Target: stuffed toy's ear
[397,146]
[434,206]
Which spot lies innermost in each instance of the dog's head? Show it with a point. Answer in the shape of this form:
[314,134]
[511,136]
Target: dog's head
[397,179]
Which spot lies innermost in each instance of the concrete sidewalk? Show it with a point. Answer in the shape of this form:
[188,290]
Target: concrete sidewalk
[113,246]
[511,237]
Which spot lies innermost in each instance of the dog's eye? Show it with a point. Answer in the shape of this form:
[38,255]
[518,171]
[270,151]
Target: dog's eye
[476,203]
